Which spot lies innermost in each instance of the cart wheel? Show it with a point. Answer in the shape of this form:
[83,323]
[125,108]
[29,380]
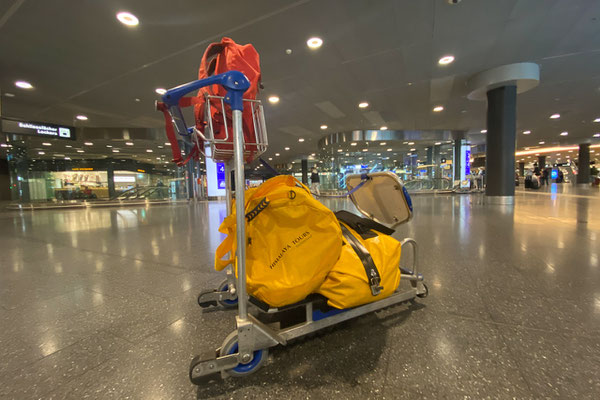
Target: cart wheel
[206,304]
[224,287]
[424,294]
[230,346]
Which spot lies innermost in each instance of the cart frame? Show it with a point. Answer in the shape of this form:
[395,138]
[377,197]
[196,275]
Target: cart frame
[254,337]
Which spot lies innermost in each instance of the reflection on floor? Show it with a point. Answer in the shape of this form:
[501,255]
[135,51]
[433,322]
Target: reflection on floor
[101,304]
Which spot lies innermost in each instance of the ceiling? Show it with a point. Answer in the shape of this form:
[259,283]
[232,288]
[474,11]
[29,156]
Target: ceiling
[81,60]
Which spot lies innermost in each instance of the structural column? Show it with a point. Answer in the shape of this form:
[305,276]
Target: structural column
[305,171]
[110,176]
[521,169]
[500,149]
[583,175]
[500,86]
[542,162]
[429,161]
[457,162]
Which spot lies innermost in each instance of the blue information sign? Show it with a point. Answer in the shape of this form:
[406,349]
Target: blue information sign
[221,175]
[467,161]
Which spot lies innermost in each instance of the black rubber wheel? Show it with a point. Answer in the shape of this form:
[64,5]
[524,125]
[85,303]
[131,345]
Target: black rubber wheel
[206,304]
[423,295]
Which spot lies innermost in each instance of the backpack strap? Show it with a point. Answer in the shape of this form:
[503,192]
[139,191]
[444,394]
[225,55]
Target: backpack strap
[365,258]
[362,225]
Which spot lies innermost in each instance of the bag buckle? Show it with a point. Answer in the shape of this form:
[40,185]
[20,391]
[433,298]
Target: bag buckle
[375,287]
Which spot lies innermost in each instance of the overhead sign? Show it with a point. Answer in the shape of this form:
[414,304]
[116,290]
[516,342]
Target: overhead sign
[38,129]
[221,176]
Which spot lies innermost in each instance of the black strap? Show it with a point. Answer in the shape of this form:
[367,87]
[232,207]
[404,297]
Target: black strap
[362,225]
[363,254]
[250,215]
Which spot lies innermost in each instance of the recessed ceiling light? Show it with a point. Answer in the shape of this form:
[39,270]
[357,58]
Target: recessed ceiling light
[273,99]
[340,150]
[68,145]
[276,154]
[438,108]
[286,148]
[555,116]
[115,150]
[167,144]
[542,142]
[365,149]
[596,134]
[378,154]
[353,144]
[129,143]
[160,91]
[437,143]
[89,143]
[410,143]
[564,133]
[446,60]
[389,149]
[314,42]
[82,117]
[483,131]
[47,144]
[323,127]
[383,128]
[127,18]
[596,120]
[148,150]
[23,85]
[9,95]
[80,151]
[67,158]
[270,158]
[108,145]
[526,132]
[364,104]
[301,140]
[41,152]
[413,149]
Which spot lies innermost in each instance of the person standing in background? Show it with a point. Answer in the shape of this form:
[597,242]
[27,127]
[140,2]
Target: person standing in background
[315,181]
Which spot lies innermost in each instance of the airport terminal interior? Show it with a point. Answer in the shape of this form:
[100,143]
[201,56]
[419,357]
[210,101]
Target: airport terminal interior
[416,213]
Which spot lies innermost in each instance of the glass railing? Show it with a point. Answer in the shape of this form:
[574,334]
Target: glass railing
[145,193]
[428,185]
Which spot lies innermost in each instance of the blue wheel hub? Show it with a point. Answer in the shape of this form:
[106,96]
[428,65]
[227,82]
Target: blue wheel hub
[246,368]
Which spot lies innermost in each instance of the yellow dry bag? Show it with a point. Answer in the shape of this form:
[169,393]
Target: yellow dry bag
[292,242]
[369,266]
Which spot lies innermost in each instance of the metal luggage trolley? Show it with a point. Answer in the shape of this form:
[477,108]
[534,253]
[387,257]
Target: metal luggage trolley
[381,197]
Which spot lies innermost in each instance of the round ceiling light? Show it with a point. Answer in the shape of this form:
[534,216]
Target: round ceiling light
[286,148]
[596,134]
[438,108]
[129,143]
[483,131]
[301,140]
[446,60]
[273,99]
[23,85]
[276,154]
[9,95]
[564,133]
[314,43]
[127,18]
[160,91]
[82,117]
[148,150]
[555,116]
[383,128]
[323,127]
[353,144]
[526,132]
[364,104]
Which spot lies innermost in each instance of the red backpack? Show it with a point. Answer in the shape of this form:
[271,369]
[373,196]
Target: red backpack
[218,58]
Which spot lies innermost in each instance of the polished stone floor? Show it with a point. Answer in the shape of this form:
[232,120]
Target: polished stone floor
[101,304]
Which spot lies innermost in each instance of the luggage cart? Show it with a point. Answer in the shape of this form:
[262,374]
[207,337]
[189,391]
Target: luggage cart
[381,197]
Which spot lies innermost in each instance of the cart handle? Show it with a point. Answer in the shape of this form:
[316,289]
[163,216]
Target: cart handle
[234,82]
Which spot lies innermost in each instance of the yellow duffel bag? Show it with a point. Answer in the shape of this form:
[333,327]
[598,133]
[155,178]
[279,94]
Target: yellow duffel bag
[369,266]
[293,241]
